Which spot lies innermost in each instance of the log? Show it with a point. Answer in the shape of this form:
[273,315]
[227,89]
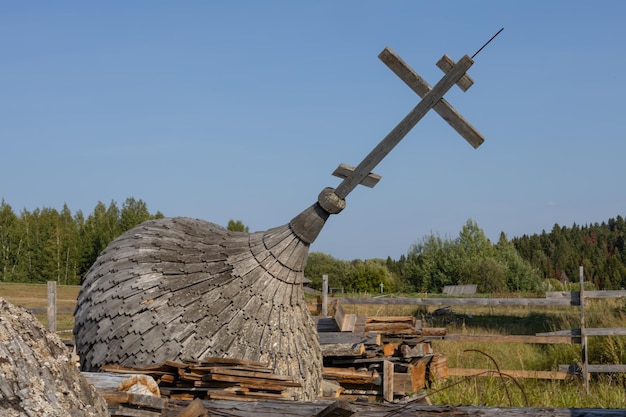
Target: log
[352,376]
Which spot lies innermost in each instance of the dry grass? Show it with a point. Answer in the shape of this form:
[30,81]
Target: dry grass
[34,297]
[607,391]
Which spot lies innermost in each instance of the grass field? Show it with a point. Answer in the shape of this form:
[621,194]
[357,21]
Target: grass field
[607,391]
[34,297]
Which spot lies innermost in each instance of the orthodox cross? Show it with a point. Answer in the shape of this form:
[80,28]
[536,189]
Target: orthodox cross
[432,98]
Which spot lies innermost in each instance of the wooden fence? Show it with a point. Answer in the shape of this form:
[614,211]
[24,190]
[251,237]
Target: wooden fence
[553,299]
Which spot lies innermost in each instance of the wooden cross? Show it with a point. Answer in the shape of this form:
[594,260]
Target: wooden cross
[431,98]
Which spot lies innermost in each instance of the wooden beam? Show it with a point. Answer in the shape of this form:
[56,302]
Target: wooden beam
[399,132]
[445,64]
[513,373]
[388,381]
[344,170]
[52,306]
[538,302]
[482,338]
[421,87]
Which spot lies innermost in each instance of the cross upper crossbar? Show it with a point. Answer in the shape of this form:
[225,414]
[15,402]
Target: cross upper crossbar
[431,98]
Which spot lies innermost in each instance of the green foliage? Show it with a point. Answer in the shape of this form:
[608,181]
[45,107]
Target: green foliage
[434,262]
[237,226]
[48,245]
[352,276]
[599,248]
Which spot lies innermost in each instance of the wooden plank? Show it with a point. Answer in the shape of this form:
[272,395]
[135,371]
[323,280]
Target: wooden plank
[345,321]
[344,170]
[606,368]
[370,339]
[351,376]
[575,295]
[599,331]
[307,409]
[513,373]
[575,369]
[482,338]
[438,368]
[388,374]
[536,302]
[343,349]
[445,64]
[52,306]
[122,411]
[245,380]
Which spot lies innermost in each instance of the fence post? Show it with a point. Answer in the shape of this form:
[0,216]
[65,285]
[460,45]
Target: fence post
[324,295]
[583,332]
[52,306]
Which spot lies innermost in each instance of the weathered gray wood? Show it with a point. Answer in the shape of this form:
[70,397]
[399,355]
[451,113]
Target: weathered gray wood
[345,321]
[344,171]
[583,332]
[542,302]
[178,306]
[606,368]
[52,306]
[538,339]
[324,295]
[421,87]
[343,349]
[446,63]
[599,331]
[388,381]
[326,338]
[574,296]
[300,409]
[552,375]
[397,134]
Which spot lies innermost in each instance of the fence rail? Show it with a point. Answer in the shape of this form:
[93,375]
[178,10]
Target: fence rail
[552,299]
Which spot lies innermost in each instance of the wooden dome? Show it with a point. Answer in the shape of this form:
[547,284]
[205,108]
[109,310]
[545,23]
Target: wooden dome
[180,288]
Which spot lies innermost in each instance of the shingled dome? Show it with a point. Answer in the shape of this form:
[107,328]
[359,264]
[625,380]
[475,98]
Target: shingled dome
[183,288]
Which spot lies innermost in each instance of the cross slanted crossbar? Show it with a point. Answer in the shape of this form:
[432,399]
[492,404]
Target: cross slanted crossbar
[431,98]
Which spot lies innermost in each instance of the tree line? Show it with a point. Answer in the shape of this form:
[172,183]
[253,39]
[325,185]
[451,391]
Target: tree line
[432,263]
[600,248]
[549,261]
[51,245]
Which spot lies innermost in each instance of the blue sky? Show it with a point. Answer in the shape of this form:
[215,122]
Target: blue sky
[241,110]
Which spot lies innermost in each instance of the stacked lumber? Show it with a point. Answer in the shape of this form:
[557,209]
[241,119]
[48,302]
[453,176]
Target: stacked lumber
[214,379]
[377,357]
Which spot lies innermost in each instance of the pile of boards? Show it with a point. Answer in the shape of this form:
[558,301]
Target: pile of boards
[209,379]
[377,357]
